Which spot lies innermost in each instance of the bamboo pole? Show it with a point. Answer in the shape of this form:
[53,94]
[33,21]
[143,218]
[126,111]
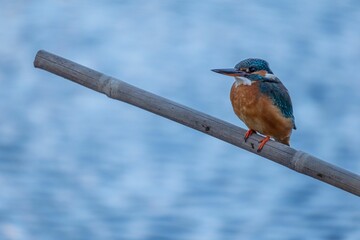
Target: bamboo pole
[296,160]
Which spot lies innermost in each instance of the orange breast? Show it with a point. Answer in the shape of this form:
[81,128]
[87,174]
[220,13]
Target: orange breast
[259,113]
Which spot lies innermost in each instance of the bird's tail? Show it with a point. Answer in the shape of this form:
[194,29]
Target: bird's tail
[285,141]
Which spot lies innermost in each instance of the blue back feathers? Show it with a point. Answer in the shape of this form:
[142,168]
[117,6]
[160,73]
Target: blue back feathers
[280,97]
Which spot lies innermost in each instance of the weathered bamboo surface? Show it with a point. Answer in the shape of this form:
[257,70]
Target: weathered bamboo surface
[277,152]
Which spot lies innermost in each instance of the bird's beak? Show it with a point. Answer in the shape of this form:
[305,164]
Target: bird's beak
[230,72]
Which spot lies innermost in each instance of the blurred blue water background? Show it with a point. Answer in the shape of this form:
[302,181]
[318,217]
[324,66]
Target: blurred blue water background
[77,165]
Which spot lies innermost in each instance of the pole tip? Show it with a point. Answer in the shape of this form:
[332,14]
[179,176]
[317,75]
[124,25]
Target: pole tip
[38,56]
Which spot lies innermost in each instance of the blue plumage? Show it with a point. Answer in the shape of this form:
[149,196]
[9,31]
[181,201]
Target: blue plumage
[280,97]
[256,64]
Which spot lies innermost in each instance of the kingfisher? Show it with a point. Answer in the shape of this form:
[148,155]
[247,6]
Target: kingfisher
[261,101]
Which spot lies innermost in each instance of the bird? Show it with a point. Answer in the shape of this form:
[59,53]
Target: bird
[261,101]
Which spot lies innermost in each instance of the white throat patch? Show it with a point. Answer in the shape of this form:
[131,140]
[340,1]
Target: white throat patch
[242,81]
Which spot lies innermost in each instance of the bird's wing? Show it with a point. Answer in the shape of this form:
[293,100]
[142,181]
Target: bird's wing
[279,95]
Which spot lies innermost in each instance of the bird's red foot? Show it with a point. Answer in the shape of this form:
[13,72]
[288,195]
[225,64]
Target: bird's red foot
[248,134]
[262,143]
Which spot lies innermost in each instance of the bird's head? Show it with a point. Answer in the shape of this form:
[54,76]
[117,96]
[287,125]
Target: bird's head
[248,67]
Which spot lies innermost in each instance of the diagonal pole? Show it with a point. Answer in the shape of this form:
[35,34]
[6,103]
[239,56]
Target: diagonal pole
[296,160]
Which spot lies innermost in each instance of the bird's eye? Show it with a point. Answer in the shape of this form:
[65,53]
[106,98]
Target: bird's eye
[252,69]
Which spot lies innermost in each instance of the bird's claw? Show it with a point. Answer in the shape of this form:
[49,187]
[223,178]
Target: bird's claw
[248,134]
[262,143]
